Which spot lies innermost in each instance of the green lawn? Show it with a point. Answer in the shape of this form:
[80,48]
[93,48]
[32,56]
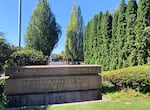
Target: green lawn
[138,103]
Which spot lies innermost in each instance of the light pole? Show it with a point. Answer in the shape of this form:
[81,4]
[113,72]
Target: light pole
[19,23]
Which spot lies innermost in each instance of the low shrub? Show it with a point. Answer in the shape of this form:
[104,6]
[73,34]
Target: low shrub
[3,100]
[6,50]
[124,93]
[28,57]
[108,87]
[133,77]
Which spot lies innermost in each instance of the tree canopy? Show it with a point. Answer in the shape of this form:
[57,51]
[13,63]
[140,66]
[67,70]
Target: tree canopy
[121,38]
[74,36]
[43,31]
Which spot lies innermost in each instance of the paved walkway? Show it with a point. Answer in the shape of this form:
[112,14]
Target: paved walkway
[56,63]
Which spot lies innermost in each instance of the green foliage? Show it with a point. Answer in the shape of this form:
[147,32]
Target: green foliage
[113,45]
[80,34]
[5,51]
[66,51]
[43,32]
[120,39]
[108,87]
[133,77]
[147,29]
[92,40]
[121,31]
[113,92]
[143,38]
[106,39]
[3,100]
[99,39]
[124,93]
[86,44]
[58,57]
[28,57]
[74,36]
[71,39]
[129,49]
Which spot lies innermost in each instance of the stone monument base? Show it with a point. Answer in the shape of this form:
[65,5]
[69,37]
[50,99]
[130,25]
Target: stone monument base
[44,85]
[53,98]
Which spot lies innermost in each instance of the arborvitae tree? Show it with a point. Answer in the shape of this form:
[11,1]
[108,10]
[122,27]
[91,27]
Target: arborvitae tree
[66,52]
[72,34]
[129,47]
[80,34]
[147,31]
[86,44]
[43,32]
[143,38]
[113,46]
[121,31]
[74,40]
[93,40]
[99,38]
[129,42]
[90,42]
[106,39]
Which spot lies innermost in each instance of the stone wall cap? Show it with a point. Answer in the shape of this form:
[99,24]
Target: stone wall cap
[52,70]
[55,66]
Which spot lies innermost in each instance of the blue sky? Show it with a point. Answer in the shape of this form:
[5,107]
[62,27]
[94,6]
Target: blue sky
[61,9]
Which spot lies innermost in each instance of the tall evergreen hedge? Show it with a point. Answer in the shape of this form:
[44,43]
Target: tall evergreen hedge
[121,38]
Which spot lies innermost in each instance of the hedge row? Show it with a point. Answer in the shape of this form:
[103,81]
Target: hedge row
[133,77]
[27,57]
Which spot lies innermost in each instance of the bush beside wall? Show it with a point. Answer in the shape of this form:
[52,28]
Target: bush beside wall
[3,100]
[28,57]
[133,77]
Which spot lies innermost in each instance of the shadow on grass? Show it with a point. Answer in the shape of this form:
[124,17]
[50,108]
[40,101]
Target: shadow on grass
[108,88]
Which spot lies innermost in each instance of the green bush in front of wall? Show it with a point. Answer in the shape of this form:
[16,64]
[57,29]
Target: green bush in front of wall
[137,77]
[3,100]
[28,57]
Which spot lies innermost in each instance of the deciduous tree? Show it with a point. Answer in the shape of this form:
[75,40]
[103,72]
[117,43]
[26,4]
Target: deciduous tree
[43,31]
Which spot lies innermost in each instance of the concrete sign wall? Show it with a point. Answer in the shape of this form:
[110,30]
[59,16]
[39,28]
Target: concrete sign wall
[42,85]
